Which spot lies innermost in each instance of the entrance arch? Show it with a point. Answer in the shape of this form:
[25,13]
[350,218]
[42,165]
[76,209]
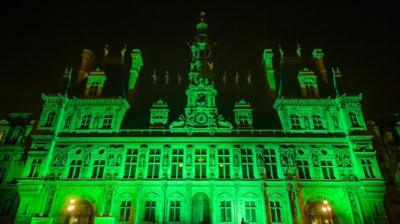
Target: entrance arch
[201,209]
[79,212]
[320,212]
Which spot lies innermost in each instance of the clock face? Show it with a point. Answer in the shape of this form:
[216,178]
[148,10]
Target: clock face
[201,118]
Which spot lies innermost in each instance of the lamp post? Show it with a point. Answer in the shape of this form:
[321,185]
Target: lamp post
[70,209]
[327,212]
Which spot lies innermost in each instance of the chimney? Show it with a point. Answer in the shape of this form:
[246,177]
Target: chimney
[318,56]
[86,65]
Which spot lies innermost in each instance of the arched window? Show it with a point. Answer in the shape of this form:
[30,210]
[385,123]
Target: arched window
[317,122]
[86,121]
[50,119]
[354,120]
[295,122]
[107,121]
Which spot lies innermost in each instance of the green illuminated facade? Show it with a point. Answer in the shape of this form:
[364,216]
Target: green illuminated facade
[291,149]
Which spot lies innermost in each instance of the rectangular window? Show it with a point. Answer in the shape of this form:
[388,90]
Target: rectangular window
[34,172]
[250,211]
[275,207]
[177,163]
[201,163]
[75,168]
[270,164]
[226,211]
[367,167]
[153,170]
[150,211]
[247,164]
[131,163]
[327,170]
[107,122]
[224,167]
[317,122]
[303,169]
[175,211]
[98,168]
[125,211]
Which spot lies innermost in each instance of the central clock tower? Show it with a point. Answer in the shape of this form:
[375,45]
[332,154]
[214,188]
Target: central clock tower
[201,112]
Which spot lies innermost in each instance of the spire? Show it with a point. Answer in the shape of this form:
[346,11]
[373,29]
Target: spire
[201,65]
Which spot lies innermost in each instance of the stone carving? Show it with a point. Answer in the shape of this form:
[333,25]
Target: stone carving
[87,159]
[212,159]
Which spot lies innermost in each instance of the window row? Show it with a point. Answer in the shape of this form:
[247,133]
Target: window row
[315,122]
[225,211]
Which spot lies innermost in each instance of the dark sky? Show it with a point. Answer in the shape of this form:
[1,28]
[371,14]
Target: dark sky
[39,41]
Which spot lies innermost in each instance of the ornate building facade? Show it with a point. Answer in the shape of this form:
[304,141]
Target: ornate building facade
[120,146]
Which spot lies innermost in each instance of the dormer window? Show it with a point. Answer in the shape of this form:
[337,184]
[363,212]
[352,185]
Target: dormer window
[317,122]
[354,120]
[86,121]
[95,83]
[93,89]
[50,119]
[107,121]
[295,122]
[308,83]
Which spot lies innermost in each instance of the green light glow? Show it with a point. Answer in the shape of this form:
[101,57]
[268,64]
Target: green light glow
[82,167]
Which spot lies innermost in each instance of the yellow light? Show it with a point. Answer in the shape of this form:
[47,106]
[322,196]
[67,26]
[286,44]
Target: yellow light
[71,208]
[221,165]
[72,201]
[180,164]
[329,208]
[324,209]
[325,202]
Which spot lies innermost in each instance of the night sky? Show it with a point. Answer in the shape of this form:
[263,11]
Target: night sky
[39,41]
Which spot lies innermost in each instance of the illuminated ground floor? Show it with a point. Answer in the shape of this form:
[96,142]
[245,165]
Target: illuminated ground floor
[199,201]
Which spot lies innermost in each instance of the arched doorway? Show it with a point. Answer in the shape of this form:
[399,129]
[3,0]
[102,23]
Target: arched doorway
[320,212]
[79,212]
[200,209]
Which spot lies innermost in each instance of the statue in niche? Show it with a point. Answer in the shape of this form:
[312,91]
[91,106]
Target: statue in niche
[108,201]
[315,159]
[260,159]
[142,158]
[212,159]
[189,159]
[236,160]
[166,159]
[201,100]
[87,159]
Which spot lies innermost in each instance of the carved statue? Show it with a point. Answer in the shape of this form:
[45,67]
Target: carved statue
[87,159]
[236,160]
[212,159]
[166,159]
[180,123]
[189,159]
[222,123]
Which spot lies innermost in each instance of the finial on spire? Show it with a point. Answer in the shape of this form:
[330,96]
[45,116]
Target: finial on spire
[106,50]
[298,51]
[202,15]
[202,25]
